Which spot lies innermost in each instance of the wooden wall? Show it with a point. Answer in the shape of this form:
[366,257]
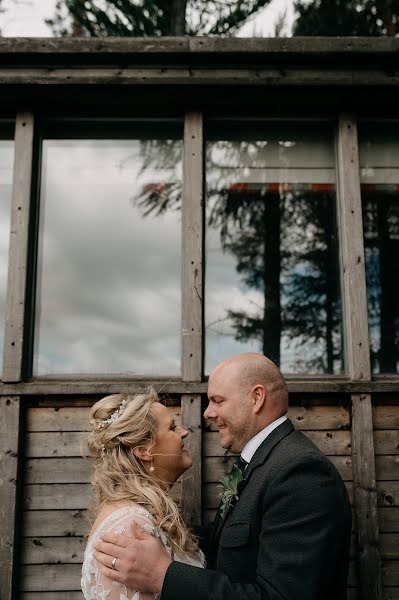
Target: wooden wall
[56,489]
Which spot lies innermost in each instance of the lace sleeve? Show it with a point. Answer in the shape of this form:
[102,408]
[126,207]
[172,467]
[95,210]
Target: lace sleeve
[97,586]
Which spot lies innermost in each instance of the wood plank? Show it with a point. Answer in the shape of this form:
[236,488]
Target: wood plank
[310,386]
[58,419]
[18,249]
[49,578]
[386,441]
[366,497]
[9,485]
[388,493]
[387,467]
[66,418]
[58,470]
[388,519]
[390,572]
[307,418]
[192,247]
[389,546]
[386,417]
[353,278]
[69,496]
[331,443]
[51,596]
[54,523]
[53,550]
[55,444]
[191,480]
[391,593]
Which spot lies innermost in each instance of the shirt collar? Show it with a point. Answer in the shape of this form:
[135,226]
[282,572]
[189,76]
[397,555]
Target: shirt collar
[251,447]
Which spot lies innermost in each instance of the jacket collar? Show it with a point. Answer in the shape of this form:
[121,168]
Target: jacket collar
[267,446]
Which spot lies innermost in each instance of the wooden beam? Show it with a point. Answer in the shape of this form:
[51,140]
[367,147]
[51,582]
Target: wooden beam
[191,484]
[363,461]
[192,247]
[311,386]
[9,453]
[354,302]
[353,278]
[18,249]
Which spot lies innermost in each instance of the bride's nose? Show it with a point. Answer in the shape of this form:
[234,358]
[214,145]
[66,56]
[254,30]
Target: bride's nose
[183,433]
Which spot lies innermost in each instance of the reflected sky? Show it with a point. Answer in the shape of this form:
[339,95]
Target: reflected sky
[271,246]
[6,173]
[108,284]
[379,177]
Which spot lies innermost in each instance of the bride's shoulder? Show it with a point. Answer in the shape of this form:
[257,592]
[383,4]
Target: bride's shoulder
[113,514]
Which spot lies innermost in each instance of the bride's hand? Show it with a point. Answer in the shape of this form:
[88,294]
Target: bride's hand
[141,562]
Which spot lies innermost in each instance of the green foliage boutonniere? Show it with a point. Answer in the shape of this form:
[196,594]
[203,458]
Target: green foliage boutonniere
[230,486]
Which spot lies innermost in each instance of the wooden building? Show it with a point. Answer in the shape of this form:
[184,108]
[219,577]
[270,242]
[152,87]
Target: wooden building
[141,182]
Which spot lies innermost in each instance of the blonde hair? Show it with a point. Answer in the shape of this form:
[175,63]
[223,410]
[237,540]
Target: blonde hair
[119,475]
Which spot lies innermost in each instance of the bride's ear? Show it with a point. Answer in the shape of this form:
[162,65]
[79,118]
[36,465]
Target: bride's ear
[142,453]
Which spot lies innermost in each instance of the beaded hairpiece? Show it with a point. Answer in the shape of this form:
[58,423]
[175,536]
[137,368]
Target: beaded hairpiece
[115,415]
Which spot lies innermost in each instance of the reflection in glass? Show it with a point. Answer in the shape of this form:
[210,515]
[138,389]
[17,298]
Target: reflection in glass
[108,285]
[6,169]
[379,176]
[272,260]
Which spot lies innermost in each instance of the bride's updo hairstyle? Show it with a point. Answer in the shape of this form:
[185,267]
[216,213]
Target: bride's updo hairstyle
[120,423]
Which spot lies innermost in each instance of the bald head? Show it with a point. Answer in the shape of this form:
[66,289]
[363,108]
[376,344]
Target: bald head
[250,369]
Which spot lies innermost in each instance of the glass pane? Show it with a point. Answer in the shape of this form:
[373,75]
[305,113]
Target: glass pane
[108,286]
[272,259]
[6,172]
[379,176]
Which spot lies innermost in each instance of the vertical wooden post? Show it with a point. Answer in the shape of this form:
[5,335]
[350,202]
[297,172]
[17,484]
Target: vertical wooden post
[192,314]
[191,484]
[18,249]
[192,247]
[9,454]
[354,301]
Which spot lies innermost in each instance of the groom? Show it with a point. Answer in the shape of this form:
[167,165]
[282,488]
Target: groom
[286,538]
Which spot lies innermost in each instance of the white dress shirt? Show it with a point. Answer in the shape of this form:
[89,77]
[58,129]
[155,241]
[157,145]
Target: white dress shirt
[251,447]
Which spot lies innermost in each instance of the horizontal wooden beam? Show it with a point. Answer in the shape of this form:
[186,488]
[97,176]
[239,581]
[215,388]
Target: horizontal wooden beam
[313,46]
[187,75]
[295,386]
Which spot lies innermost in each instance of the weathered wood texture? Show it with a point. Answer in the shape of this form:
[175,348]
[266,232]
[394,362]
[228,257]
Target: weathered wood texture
[352,270]
[57,494]
[357,356]
[9,453]
[191,418]
[193,234]
[66,388]
[386,427]
[18,249]
[366,497]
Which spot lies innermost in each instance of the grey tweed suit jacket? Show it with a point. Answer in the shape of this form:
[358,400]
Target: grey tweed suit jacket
[287,537]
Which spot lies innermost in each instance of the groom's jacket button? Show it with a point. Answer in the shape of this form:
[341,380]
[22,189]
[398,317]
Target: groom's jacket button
[234,534]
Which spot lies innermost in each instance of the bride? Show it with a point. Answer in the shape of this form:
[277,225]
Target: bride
[141,454]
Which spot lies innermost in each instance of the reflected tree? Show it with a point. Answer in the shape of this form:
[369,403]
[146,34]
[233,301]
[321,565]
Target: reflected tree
[381,235]
[284,245]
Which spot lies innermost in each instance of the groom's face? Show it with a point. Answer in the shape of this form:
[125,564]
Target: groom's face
[230,409]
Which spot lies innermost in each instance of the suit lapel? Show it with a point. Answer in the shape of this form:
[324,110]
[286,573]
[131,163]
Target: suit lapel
[258,459]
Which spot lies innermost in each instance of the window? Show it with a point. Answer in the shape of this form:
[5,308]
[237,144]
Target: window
[6,174]
[272,259]
[379,176]
[108,282]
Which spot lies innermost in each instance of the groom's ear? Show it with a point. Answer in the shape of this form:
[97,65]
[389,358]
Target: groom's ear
[258,397]
[142,453]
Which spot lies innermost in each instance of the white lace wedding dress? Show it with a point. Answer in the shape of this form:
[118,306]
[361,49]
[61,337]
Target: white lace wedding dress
[95,585]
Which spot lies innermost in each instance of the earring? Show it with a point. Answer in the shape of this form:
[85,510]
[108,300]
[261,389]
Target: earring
[152,468]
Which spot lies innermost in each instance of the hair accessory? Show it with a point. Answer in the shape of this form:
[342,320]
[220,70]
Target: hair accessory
[115,415]
[103,451]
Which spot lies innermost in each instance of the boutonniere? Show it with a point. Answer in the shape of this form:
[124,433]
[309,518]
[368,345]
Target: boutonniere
[231,488]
